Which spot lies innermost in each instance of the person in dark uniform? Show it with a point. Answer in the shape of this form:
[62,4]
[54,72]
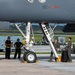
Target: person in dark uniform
[69,49]
[8,47]
[18,46]
[56,45]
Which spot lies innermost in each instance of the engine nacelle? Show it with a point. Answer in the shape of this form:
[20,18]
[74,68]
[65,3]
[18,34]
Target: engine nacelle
[69,27]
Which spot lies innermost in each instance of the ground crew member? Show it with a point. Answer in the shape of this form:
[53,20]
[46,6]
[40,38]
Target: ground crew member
[57,46]
[8,47]
[18,45]
[69,49]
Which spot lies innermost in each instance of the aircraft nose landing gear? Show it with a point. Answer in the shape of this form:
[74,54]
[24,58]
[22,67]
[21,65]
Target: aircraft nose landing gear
[30,57]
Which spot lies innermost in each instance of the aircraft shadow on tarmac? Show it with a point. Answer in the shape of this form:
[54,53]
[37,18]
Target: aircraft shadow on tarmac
[47,58]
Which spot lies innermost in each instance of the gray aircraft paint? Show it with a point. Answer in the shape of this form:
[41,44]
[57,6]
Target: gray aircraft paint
[57,11]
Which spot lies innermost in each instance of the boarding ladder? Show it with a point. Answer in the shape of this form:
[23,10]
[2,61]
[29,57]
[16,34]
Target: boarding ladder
[48,32]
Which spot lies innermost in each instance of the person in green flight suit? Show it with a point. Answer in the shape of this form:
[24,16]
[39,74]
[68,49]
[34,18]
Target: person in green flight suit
[69,49]
[57,46]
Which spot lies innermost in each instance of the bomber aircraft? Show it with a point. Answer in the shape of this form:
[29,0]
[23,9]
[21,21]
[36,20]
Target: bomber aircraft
[38,11]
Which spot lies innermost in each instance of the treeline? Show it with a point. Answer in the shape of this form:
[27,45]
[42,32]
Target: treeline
[35,27]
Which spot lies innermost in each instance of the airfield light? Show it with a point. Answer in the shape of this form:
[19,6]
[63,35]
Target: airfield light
[31,1]
[42,1]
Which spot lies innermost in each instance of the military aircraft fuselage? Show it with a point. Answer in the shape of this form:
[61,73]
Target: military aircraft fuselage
[56,11]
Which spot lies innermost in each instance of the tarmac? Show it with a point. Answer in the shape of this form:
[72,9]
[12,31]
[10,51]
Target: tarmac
[43,66]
